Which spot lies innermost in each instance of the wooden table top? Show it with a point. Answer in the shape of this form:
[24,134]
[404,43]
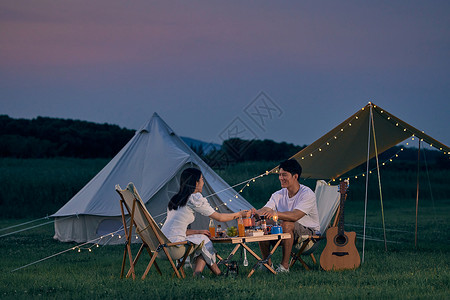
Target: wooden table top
[245,239]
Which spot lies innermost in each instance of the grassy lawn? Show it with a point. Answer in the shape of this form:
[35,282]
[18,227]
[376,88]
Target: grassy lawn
[401,272]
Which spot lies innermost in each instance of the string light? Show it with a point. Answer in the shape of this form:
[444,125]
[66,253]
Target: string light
[319,149]
[391,159]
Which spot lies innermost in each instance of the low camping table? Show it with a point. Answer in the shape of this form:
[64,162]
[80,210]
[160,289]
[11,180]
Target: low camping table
[243,240]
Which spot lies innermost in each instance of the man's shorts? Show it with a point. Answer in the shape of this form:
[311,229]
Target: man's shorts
[300,230]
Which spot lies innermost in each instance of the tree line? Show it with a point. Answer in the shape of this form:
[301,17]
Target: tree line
[45,137]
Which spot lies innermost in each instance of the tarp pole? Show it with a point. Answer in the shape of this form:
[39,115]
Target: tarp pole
[367,183]
[379,185]
[417,194]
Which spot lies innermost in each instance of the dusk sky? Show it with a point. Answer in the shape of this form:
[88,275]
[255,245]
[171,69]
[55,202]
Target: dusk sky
[205,66]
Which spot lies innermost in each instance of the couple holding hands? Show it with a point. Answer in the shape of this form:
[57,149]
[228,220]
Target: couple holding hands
[295,205]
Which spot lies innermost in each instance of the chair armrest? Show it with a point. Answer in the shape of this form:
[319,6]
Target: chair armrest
[178,243]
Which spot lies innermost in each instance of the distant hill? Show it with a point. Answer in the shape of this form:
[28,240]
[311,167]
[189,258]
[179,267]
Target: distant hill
[200,147]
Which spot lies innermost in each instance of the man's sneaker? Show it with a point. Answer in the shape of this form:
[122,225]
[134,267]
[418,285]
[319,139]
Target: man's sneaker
[281,269]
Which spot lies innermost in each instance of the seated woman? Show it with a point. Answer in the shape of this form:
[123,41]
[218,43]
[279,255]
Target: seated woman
[181,213]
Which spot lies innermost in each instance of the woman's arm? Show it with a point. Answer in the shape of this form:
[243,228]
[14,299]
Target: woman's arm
[192,231]
[224,217]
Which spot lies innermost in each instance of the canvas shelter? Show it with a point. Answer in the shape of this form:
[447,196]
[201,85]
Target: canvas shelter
[347,145]
[364,135]
[153,160]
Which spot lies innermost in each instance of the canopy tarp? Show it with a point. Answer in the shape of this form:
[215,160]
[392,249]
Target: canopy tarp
[345,146]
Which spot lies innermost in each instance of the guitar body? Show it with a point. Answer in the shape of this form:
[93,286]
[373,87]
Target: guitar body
[340,253]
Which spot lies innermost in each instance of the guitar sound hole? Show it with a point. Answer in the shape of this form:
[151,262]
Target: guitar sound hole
[340,240]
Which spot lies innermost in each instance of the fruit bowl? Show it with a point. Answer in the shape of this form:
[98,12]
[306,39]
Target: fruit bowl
[232,231]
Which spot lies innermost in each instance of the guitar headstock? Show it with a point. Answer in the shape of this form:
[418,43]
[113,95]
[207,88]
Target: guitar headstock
[343,186]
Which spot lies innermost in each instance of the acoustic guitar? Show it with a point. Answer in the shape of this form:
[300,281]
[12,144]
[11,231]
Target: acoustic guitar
[340,252]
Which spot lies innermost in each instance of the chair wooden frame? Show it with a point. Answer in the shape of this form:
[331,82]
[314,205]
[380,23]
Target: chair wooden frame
[307,239]
[153,240]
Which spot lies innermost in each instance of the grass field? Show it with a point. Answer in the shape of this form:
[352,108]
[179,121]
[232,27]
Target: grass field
[402,272]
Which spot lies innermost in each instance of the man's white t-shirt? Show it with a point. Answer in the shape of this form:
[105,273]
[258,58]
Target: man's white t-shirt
[304,200]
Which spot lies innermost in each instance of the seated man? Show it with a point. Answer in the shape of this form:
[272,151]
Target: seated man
[296,207]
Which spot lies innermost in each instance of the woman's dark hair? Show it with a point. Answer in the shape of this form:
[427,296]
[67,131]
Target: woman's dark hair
[292,166]
[188,181]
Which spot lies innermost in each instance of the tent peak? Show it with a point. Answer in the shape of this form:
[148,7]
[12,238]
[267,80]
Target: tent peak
[155,121]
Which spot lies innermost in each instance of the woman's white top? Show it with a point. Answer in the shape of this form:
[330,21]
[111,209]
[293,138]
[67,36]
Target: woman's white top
[178,220]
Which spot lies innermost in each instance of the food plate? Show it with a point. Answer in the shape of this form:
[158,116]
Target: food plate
[254,233]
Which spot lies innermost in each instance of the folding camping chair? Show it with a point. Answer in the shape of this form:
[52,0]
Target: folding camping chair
[153,240]
[327,198]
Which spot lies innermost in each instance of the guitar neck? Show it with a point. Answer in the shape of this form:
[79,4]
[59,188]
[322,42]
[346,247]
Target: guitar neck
[341,214]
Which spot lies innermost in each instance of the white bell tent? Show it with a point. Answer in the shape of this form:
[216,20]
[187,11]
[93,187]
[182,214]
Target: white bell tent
[153,160]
